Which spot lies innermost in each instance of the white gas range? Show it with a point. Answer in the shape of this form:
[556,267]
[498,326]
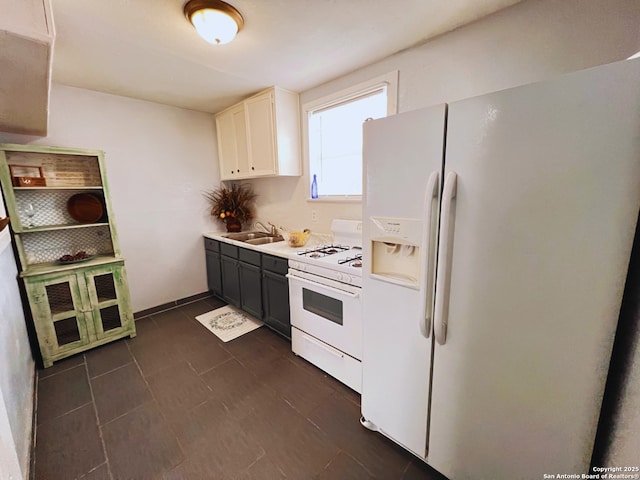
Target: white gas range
[325,284]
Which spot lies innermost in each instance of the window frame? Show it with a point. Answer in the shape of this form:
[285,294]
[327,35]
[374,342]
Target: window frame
[390,80]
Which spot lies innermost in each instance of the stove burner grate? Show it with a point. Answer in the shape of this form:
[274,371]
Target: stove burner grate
[355,259]
[323,251]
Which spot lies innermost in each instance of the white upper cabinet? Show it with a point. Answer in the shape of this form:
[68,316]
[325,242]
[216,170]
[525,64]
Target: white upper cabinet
[232,144]
[26,48]
[260,137]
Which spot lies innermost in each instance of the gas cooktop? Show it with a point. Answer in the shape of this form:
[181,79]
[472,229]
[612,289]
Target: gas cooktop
[344,255]
[328,257]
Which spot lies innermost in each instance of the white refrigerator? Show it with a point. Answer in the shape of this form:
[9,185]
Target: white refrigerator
[497,235]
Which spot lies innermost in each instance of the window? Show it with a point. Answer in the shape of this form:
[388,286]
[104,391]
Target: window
[334,134]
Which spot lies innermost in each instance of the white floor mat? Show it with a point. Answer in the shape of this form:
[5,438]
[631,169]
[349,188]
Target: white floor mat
[228,322]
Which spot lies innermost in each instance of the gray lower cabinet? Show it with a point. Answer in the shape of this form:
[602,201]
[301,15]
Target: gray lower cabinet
[275,294]
[250,289]
[250,262]
[253,281]
[214,273]
[230,280]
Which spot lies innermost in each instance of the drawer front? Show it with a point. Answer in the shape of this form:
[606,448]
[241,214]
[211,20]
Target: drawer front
[275,264]
[211,244]
[249,256]
[339,365]
[229,250]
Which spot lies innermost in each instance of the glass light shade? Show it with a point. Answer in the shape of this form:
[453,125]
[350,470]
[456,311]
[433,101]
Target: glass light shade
[214,26]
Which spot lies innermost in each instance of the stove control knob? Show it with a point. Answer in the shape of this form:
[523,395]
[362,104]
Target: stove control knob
[293,264]
[339,277]
[347,279]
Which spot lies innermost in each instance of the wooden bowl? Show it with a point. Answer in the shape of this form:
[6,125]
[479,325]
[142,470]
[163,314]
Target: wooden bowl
[85,207]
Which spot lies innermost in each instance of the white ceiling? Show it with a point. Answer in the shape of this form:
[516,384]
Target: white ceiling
[146,49]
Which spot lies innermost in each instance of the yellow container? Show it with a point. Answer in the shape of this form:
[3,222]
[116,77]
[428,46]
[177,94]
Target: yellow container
[299,239]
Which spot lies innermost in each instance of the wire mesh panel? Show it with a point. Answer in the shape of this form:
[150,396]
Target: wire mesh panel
[60,298]
[48,246]
[105,288]
[49,206]
[67,331]
[110,318]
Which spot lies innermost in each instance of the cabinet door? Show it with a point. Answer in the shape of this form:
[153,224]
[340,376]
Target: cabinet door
[261,134]
[58,315]
[226,145]
[232,143]
[251,290]
[230,280]
[240,138]
[107,293]
[214,279]
[275,292]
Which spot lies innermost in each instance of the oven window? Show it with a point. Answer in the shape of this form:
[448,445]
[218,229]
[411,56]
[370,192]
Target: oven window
[326,307]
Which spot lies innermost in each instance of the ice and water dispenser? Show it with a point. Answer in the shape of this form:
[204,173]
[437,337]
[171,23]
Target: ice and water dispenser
[396,250]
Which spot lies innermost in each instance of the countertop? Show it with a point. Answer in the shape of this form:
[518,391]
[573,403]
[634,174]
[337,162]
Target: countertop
[279,249]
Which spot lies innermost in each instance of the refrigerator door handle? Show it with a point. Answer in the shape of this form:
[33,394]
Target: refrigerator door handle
[443,277]
[431,193]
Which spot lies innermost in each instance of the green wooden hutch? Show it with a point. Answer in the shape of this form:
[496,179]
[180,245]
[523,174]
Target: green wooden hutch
[77,303]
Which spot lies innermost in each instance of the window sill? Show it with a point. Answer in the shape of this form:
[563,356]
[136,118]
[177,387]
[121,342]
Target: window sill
[337,199]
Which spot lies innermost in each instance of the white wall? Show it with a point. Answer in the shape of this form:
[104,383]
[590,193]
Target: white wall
[17,371]
[159,160]
[533,40]
[11,469]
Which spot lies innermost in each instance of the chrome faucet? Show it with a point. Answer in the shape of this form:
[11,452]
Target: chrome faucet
[273,230]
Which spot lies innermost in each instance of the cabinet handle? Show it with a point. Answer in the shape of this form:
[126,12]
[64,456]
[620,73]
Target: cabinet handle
[238,170]
[253,168]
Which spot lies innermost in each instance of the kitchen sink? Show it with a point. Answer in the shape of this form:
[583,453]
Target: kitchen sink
[244,236]
[263,240]
[254,238]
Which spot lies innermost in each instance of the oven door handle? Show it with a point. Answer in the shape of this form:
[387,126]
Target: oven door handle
[321,285]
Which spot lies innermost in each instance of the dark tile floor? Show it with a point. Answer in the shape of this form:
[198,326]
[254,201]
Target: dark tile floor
[177,403]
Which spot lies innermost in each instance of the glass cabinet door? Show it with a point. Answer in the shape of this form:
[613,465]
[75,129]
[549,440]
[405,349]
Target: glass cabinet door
[58,307]
[106,296]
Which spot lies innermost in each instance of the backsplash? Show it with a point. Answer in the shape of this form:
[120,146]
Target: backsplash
[284,201]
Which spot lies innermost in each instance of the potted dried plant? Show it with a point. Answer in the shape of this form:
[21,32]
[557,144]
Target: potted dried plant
[232,205]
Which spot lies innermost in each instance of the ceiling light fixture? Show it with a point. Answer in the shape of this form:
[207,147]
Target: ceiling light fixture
[214,20]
